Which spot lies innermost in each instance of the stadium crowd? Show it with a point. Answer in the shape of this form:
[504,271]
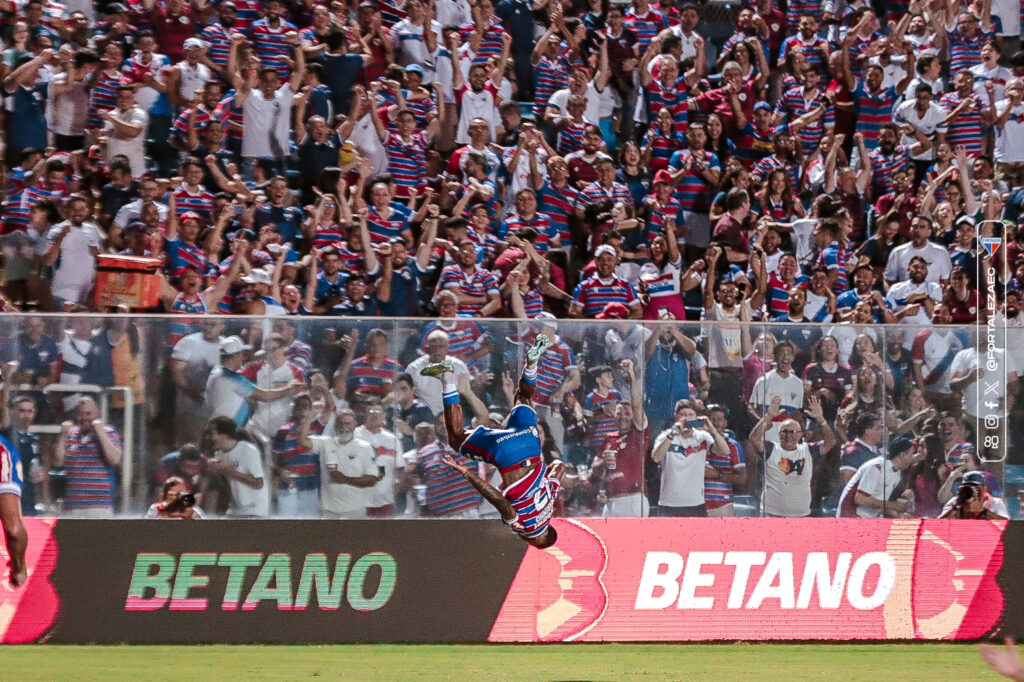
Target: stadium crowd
[794,176]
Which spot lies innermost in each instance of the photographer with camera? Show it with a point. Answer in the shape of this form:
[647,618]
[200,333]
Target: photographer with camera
[177,503]
[973,501]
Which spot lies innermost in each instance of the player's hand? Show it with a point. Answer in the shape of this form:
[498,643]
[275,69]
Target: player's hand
[1003,661]
[17,578]
[450,461]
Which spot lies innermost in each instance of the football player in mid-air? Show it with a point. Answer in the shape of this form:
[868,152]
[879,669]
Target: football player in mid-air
[529,486]
[10,512]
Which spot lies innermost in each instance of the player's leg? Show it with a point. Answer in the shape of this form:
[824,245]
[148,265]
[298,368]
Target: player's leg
[16,536]
[528,381]
[453,423]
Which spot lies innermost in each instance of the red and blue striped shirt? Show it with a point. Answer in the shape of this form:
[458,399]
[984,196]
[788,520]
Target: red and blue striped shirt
[89,478]
[366,378]
[447,491]
[271,46]
[593,294]
[302,466]
[964,130]
[481,282]
[407,161]
[559,203]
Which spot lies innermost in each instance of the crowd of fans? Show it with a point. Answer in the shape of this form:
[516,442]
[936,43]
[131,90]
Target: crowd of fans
[794,175]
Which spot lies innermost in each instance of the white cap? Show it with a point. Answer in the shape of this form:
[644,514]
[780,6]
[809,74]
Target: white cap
[194,42]
[258,276]
[605,248]
[231,345]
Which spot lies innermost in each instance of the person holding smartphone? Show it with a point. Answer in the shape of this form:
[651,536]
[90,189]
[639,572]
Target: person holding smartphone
[682,451]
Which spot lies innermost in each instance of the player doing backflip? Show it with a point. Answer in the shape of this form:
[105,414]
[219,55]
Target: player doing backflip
[529,486]
[10,512]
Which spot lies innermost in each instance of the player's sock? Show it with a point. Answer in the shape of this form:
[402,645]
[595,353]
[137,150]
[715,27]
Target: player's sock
[530,374]
[450,396]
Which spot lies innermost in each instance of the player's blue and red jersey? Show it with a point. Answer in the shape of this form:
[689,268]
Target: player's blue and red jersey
[10,469]
[509,448]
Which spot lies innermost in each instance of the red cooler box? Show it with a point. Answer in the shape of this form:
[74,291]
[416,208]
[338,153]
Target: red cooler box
[127,280]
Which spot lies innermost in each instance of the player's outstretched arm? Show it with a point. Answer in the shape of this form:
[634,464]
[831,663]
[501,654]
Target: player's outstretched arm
[16,536]
[1004,661]
[489,492]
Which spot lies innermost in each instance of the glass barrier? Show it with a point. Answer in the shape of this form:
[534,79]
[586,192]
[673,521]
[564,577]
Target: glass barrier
[650,418]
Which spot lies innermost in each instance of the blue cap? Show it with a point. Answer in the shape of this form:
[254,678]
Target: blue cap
[414,68]
[763,105]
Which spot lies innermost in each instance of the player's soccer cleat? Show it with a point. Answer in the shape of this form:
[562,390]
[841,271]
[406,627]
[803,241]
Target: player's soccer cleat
[539,346]
[438,368]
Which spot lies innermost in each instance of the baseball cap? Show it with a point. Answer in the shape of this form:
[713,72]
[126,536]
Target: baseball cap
[976,477]
[231,345]
[136,226]
[258,276]
[899,445]
[613,311]
[605,248]
[194,43]
[243,233]
[414,68]
[763,105]
[191,215]
[663,176]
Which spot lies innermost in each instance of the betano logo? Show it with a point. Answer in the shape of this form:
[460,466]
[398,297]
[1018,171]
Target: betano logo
[162,580]
[664,583]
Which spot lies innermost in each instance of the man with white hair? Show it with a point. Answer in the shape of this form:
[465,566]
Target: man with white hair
[228,390]
[349,466]
[427,389]
[787,466]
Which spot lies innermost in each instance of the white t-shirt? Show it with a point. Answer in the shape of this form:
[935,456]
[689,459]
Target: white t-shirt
[364,137]
[245,500]
[929,348]
[227,394]
[1008,12]
[682,471]
[876,478]
[75,269]
[483,104]
[560,99]
[271,415]
[70,110]
[429,389]
[385,448]
[897,298]
[724,339]
[1010,138]
[262,115]
[966,362]
[787,480]
[999,76]
[134,148]
[193,79]
[411,48]
[789,388]
[933,121]
[939,264]
[354,458]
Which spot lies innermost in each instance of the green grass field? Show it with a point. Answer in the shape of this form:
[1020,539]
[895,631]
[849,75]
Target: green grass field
[721,662]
